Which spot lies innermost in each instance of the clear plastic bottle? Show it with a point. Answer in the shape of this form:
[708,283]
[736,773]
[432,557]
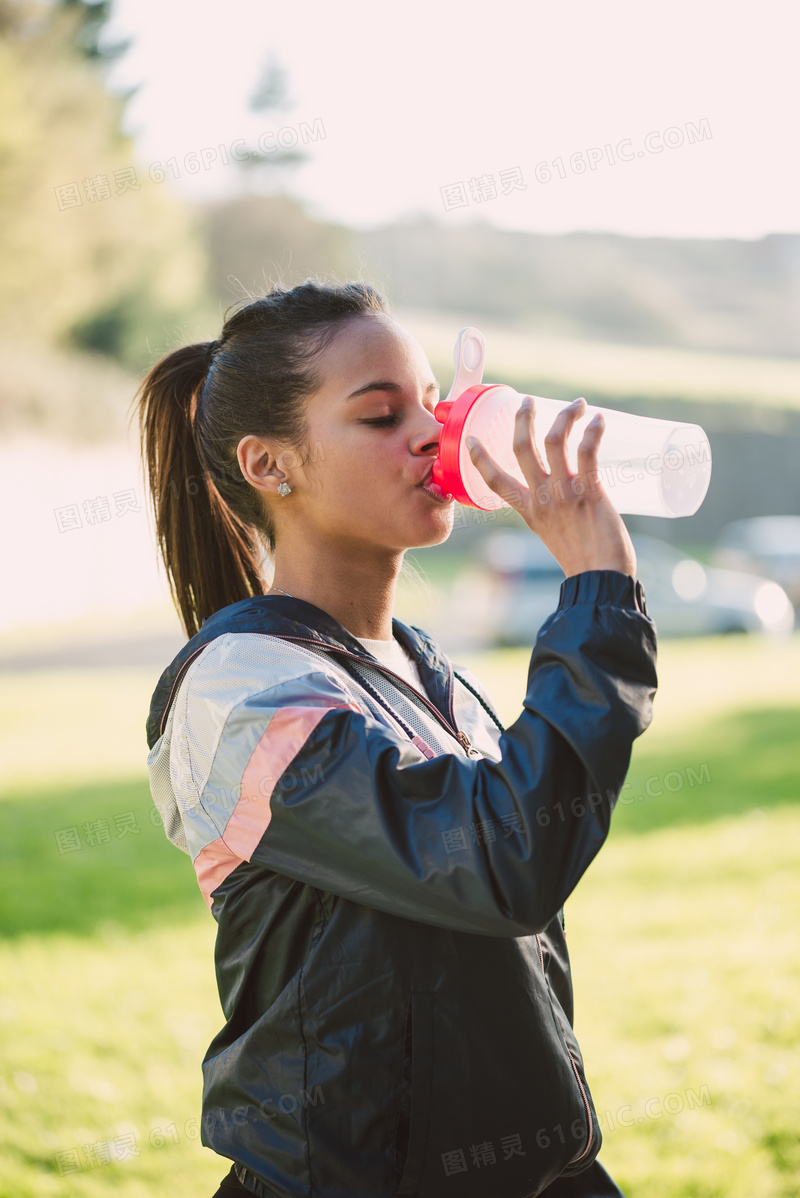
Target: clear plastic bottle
[648,467]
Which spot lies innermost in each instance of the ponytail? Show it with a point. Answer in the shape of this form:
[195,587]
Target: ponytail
[213,527]
[211,557]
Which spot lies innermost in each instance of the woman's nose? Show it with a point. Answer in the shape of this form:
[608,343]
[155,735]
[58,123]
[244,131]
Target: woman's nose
[426,439]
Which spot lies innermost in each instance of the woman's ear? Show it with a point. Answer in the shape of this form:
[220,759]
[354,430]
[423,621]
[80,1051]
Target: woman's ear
[265,465]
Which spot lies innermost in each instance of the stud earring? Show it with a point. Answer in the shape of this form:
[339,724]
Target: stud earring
[284,489]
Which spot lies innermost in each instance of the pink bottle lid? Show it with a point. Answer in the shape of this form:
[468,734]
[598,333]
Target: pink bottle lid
[452,412]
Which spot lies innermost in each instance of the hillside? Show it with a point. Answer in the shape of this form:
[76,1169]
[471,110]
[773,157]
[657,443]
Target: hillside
[722,296]
[731,296]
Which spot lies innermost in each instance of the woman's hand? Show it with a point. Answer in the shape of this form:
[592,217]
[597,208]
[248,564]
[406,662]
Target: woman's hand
[572,513]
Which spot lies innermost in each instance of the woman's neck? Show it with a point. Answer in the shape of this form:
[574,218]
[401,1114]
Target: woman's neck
[357,589]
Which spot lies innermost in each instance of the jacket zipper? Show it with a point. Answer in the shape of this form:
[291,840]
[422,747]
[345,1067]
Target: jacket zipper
[450,689]
[450,725]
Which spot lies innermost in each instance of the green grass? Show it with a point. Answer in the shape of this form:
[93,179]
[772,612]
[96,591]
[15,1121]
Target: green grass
[728,765]
[682,935]
[103,1037]
[687,984]
[96,853]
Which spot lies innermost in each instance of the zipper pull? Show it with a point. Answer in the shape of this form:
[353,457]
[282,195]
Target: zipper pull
[466,745]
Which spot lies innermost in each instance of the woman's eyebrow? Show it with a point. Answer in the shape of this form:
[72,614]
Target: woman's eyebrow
[388,386]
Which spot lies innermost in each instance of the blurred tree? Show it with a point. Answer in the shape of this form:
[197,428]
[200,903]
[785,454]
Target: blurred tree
[94,254]
[270,95]
[92,18]
[258,239]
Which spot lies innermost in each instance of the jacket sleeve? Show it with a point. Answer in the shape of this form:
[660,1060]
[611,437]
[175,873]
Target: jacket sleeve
[331,797]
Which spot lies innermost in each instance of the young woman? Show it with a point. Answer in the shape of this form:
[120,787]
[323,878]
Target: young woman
[387,865]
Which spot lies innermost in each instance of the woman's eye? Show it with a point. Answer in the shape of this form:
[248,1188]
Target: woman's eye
[382,421]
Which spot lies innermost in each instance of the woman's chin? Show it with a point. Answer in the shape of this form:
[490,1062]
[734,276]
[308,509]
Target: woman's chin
[436,529]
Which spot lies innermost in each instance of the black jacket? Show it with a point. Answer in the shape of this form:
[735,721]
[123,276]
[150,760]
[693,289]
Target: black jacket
[387,871]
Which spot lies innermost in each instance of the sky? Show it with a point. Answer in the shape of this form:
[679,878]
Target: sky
[645,119]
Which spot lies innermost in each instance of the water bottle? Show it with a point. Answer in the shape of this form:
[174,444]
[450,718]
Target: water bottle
[648,467]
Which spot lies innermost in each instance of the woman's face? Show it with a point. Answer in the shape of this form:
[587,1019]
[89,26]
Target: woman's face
[371,442]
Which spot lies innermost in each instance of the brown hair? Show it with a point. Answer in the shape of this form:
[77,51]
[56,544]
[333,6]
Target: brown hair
[212,526]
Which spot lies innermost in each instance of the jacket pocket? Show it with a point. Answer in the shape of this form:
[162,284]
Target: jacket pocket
[591,1146]
[416,1085]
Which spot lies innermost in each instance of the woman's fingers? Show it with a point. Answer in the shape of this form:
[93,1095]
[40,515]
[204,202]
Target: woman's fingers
[525,448]
[583,531]
[503,484]
[555,442]
[587,450]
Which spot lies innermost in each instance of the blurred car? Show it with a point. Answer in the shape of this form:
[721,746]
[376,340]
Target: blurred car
[684,597]
[765,545]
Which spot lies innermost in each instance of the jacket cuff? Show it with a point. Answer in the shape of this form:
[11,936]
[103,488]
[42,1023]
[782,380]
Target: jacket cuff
[607,588]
